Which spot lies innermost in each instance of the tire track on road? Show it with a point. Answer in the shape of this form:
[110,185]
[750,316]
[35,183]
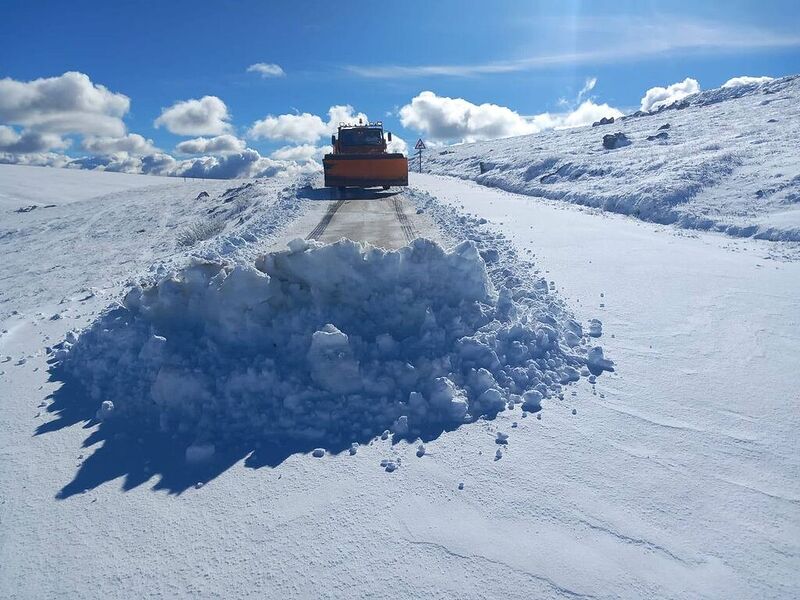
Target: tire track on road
[325,220]
[408,228]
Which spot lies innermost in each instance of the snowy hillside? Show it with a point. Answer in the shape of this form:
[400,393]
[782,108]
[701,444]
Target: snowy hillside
[724,160]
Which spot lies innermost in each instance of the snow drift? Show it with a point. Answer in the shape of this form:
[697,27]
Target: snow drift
[329,343]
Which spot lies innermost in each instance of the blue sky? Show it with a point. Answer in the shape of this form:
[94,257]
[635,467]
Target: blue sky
[532,57]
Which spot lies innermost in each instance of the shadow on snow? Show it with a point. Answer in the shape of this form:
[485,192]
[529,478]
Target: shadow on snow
[141,453]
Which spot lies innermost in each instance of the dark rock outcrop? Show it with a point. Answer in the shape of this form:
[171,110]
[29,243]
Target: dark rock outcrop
[612,141]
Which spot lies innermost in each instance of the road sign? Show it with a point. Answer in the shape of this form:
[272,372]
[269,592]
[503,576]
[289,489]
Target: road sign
[420,145]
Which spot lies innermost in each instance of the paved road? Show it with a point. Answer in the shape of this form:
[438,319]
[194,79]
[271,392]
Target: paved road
[386,219]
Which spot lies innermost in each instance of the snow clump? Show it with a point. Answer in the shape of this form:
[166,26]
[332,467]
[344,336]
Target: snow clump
[326,345]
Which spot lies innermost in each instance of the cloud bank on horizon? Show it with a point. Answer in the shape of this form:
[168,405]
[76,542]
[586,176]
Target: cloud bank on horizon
[41,119]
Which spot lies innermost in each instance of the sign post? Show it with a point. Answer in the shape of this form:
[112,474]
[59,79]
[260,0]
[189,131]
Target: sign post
[419,147]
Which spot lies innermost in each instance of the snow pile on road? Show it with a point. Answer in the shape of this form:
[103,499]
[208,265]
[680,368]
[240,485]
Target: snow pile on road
[724,160]
[329,344]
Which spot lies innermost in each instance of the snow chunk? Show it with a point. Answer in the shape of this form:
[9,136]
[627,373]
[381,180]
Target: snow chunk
[333,366]
[199,453]
[400,426]
[597,363]
[595,327]
[105,411]
[532,401]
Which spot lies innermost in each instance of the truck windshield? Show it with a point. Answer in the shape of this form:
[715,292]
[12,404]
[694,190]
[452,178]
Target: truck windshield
[361,137]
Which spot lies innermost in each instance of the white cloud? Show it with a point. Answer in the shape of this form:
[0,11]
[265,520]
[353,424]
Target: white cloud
[343,113]
[745,80]
[301,153]
[160,163]
[587,87]
[133,143]
[266,70]
[454,119]
[247,163]
[303,128]
[656,97]
[220,144]
[29,142]
[39,159]
[397,144]
[122,162]
[606,39]
[443,118]
[206,116]
[587,113]
[69,103]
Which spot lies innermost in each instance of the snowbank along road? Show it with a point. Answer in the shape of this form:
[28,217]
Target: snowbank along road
[478,394]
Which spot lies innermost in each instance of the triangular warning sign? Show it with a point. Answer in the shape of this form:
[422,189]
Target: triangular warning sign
[420,145]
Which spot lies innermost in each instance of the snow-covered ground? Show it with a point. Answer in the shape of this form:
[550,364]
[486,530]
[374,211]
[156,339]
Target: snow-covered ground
[676,475]
[725,160]
[56,254]
[23,187]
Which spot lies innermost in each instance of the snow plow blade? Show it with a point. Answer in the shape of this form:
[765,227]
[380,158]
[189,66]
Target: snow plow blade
[365,170]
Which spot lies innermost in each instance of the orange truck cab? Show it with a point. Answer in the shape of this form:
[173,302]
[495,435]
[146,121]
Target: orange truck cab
[359,159]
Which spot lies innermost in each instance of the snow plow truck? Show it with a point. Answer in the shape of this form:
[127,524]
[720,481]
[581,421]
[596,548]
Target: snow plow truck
[359,159]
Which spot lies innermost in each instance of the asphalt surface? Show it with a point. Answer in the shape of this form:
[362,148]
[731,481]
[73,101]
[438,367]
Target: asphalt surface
[386,219]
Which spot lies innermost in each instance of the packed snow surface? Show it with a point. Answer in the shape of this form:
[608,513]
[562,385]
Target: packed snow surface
[333,343]
[725,160]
